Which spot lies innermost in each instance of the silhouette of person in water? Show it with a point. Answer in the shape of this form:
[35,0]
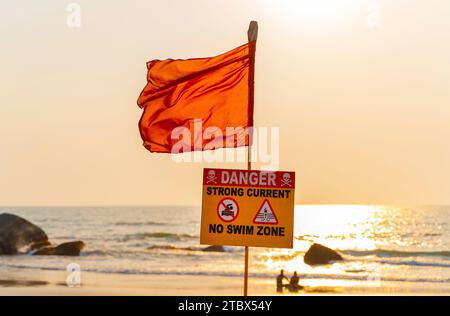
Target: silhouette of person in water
[280,279]
[293,283]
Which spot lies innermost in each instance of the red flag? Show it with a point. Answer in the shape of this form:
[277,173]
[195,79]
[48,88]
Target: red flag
[180,94]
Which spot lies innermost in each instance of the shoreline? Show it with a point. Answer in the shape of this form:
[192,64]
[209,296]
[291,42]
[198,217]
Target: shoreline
[53,283]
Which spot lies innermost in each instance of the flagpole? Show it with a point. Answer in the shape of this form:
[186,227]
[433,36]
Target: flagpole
[252,35]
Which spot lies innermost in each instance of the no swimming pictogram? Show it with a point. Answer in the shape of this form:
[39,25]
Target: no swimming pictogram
[227,209]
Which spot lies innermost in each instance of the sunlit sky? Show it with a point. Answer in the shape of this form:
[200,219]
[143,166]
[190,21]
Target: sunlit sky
[363,109]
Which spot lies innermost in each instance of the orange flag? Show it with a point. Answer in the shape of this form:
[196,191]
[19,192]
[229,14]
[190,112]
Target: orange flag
[199,103]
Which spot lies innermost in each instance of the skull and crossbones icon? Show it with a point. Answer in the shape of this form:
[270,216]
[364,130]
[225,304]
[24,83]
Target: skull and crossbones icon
[286,180]
[211,178]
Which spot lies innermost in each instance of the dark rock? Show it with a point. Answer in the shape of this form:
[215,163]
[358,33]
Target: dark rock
[17,233]
[72,248]
[214,249]
[318,254]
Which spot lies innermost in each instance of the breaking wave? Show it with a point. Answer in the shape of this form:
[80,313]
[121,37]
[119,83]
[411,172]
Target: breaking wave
[383,253]
[148,223]
[163,235]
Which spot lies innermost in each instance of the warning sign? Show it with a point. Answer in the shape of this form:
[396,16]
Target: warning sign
[265,215]
[248,208]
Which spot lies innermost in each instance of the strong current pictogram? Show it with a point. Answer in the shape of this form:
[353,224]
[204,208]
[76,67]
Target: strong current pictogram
[266,214]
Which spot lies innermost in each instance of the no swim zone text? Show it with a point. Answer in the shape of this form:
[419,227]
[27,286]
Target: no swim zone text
[247,230]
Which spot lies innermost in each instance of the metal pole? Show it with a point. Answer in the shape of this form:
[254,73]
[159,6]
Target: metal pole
[252,36]
[246,272]
[249,167]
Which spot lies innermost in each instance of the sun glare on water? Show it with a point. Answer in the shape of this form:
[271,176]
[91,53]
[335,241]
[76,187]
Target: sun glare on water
[336,226]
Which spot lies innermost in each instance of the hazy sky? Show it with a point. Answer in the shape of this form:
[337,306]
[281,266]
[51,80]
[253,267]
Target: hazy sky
[363,108]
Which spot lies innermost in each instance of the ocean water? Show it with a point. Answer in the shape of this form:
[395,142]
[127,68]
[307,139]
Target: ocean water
[382,245]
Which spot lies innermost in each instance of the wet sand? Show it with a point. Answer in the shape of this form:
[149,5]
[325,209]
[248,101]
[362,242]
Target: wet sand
[97,284]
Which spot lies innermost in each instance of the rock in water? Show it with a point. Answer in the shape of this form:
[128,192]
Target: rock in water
[17,233]
[318,254]
[214,249]
[72,248]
